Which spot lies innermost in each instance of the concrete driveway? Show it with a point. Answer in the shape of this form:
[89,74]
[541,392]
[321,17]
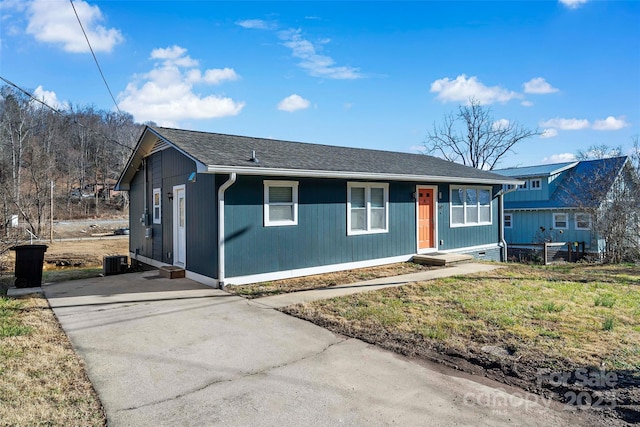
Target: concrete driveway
[174,352]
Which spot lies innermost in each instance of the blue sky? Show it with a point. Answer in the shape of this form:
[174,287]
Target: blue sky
[361,74]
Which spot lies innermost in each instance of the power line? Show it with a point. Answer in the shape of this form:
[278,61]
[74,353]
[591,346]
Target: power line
[55,110]
[94,56]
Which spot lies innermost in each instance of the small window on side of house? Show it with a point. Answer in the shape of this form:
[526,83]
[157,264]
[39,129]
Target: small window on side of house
[583,221]
[157,205]
[280,203]
[523,186]
[508,220]
[560,221]
[535,184]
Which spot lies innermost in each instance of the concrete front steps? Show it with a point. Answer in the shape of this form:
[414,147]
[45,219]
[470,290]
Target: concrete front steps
[442,259]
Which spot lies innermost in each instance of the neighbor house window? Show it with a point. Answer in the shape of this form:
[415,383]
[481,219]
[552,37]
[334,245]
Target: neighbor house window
[583,221]
[470,206]
[560,220]
[535,184]
[523,186]
[367,208]
[508,220]
[157,206]
[507,187]
[280,203]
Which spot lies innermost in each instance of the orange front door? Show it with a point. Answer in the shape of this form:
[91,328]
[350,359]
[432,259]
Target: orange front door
[425,218]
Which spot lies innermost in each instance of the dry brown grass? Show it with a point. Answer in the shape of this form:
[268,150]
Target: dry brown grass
[275,287]
[42,380]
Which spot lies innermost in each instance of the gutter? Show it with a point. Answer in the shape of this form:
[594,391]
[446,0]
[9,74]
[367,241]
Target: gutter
[254,170]
[228,183]
[503,242]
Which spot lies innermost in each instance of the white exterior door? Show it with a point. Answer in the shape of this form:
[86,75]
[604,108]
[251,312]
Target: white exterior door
[179,227]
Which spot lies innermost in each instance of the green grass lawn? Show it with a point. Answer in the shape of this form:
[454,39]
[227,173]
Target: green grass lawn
[584,315]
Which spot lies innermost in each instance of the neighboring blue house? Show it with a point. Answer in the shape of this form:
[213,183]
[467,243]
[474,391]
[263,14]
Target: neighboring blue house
[556,202]
[236,210]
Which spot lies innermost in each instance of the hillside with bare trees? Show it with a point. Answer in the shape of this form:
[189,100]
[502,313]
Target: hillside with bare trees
[61,162]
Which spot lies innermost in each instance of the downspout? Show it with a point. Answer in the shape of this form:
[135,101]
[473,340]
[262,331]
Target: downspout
[503,242]
[228,183]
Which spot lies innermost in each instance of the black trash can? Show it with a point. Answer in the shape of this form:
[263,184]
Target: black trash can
[29,260]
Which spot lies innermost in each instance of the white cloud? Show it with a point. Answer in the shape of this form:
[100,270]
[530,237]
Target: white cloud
[56,23]
[50,98]
[315,64]
[566,124]
[526,104]
[166,94]
[257,24]
[549,133]
[538,85]
[573,4]
[559,158]
[462,89]
[417,149]
[293,103]
[610,123]
[500,124]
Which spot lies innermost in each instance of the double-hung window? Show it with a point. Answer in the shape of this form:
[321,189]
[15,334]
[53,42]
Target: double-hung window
[157,205]
[560,221]
[367,208]
[280,203]
[583,221]
[470,206]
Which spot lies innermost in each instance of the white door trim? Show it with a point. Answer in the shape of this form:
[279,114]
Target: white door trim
[434,216]
[179,239]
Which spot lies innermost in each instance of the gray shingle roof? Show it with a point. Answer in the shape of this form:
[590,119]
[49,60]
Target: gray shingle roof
[219,150]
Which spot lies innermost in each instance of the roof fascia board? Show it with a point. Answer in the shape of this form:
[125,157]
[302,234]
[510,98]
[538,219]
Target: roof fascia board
[243,170]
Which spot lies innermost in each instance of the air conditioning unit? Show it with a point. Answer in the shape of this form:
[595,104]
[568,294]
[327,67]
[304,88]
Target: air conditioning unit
[116,264]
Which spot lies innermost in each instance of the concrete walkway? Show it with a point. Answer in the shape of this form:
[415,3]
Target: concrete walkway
[283,300]
[166,352]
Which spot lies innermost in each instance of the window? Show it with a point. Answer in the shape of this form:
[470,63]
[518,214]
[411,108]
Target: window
[470,206]
[367,208]
[508,220]
[507,187]
[560,220]
[280,203]
[583,221]
[157,205]
[535,184]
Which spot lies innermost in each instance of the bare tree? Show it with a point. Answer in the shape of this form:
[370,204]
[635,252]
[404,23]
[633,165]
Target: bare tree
[608,191]
[601,151]
[474,138]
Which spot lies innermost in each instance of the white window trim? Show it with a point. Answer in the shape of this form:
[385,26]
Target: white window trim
[576,221]
[464,206]
[367,197]
[158,219]
[510,215]
[294,194]
[538,188]
[566,217]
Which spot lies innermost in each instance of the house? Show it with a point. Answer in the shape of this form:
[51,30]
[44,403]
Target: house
[560,202]
[236,210]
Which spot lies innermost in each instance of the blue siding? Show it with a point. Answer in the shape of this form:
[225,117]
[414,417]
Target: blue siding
[320,238]
[526,229]
[461,237]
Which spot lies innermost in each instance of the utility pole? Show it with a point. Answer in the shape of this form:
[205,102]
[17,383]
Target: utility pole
[51,215]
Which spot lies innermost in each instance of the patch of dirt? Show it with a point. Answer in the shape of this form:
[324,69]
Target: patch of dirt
[612,406]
